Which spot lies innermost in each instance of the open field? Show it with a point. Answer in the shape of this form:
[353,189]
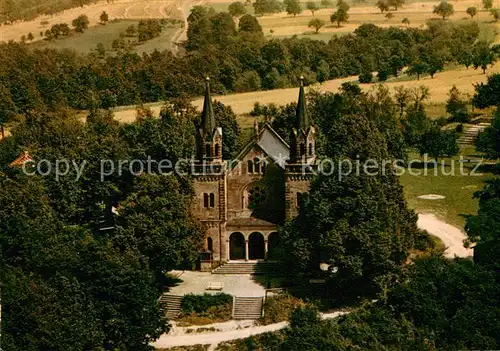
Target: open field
[119,9]
[243,103]
[458,189]
[283,25]
[106,34]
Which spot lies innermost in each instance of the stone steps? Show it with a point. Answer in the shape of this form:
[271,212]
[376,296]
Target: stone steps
[470,133]
[247,308]
[272,268]
[171,304]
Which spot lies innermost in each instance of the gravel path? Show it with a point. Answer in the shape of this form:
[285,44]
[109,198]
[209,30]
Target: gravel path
[451,236]
[168,340]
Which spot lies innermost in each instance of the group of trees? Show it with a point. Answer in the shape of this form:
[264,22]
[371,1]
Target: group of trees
[26,10]
[433,303]
[237,58]
[68,262]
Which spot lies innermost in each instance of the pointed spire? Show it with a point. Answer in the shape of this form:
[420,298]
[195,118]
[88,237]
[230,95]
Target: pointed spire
[207,116]
[302,119]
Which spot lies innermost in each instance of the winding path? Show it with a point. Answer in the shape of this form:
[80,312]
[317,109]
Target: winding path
[451,236]
[213,339]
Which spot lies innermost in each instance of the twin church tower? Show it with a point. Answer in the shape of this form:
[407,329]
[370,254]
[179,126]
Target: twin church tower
[241,201]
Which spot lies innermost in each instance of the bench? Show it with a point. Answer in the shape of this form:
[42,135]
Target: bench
[215,286]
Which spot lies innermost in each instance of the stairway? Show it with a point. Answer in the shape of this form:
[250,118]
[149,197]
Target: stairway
[471,132]
[243,267]
[171,304]
[247,308]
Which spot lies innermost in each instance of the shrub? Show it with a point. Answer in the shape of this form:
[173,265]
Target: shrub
[214,314]
[201,303]
[279,308]
[460,128]
[365,77]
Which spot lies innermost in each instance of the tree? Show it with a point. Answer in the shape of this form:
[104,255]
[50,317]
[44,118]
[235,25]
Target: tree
[81,23]
[338,229]
[466,57]
[389,15]
[406,21]
[471,11]
[326,3]
[339,16]
[444,9]
[487,93]
[487,4]
[438,143]
[495,13]
[382,5]
[237,9]
[418,68]
[292,7]
[262,7]
[316,23]
[365,76]
[396,3]
[341,4]
[249,23]
[104,17]
[483,56]
[311,6]
[456,107]
[488,141]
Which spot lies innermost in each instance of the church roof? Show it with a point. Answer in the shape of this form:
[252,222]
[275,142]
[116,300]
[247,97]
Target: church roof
[208,124]
[19,162]
[301,115]
[271,143]
[249,222]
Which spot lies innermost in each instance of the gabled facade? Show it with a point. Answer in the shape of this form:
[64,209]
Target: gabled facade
[241,201]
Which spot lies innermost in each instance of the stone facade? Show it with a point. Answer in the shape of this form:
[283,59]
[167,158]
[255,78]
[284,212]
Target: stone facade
[241,201]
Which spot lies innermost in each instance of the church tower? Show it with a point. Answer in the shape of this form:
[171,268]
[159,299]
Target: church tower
[209,182]
[209,136]
[300,168]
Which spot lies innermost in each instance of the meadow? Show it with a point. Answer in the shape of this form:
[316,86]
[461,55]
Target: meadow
[124,9]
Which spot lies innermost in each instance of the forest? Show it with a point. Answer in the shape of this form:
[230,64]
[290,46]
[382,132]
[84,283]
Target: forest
[237,59]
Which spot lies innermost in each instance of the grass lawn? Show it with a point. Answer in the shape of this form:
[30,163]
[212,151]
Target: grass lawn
[161,43]
[88,40]
[458,189]
[106,34]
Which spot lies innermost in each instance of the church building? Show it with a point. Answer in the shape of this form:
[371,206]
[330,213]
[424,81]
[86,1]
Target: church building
[240,202]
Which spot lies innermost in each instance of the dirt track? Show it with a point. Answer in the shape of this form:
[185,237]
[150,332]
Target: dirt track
[451,236]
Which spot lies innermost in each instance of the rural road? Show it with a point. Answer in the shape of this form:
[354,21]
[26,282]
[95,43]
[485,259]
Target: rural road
[451,236]
[167,340]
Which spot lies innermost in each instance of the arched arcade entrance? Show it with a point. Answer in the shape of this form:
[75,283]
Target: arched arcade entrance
[256,246]
[237,246]
[273,245]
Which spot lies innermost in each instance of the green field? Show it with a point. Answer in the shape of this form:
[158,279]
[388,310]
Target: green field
[106,34]
[163,42]
[458,190]
[88,40]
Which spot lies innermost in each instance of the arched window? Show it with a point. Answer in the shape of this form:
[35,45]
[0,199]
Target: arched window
[250,167]
[208,150]
[256,163]
[212,200]
[205,200]
[216,150]
[302,149]
[210,245]
[301,197]
[256,196]
[310,149]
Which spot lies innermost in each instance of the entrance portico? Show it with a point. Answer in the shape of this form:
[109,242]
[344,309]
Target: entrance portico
[253,239]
